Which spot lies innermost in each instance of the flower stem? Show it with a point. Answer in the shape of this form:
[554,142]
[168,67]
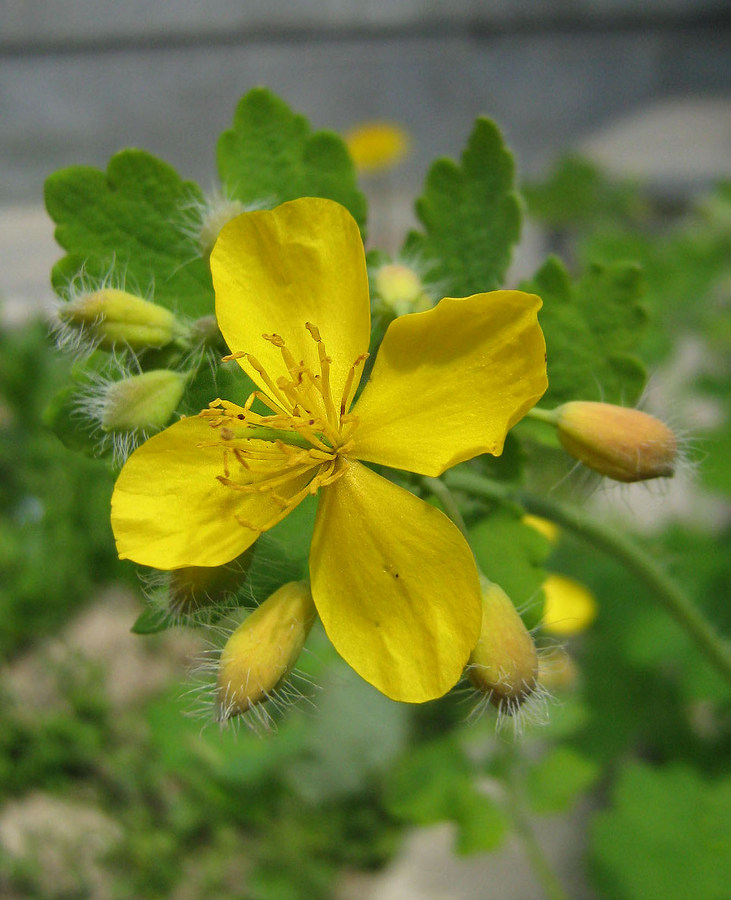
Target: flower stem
[625,549]
[440,490]
[544,874]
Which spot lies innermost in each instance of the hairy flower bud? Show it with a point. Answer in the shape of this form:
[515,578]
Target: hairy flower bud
[263,650]
[504,664]
[570,606]
[141,403]
[109,318]
[624,444]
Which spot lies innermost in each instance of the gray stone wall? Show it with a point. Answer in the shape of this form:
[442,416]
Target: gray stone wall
[79,79]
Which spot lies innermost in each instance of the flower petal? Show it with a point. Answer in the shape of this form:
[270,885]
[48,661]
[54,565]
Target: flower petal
[395,585]
[275,270]
[448,383]
[169,510]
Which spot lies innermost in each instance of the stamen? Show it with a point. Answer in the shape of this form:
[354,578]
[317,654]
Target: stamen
[324,386]
[351,383]
[257,367]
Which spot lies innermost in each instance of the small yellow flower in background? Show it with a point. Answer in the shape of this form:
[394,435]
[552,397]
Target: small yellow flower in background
[263,650]
[548,529]
[377,146]
[401,288]
[570,606]
[392,578]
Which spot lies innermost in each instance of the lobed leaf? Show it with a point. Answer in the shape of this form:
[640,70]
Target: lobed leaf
[271,155]
[129,222]
[471,216]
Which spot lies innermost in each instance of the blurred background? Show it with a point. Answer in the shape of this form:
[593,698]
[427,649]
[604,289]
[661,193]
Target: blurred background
[642,85]
[106,790]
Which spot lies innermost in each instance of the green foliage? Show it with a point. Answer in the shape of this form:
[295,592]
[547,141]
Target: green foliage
[55,538]
[577,193]
[512,555]
[592,327]
[271,155]
[128,223]
[225,815]
[471,216]
[436,783]
[666,834]
[556,781]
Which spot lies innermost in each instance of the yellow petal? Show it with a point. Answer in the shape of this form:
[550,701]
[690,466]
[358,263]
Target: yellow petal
[169,510]
[273,271]
[448,383]
[395,585]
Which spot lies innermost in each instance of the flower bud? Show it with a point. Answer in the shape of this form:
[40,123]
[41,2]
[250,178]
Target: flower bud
[570,607]
[141,403]
[624,444]
[504,664]
[110,318]
[263,650]
[400,287]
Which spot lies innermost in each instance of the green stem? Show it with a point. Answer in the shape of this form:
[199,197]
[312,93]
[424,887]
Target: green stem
[625,549]
[444,496]
[546,877]
[543,415]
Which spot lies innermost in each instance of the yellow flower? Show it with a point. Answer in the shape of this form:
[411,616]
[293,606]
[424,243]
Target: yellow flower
[377,146]
[570,606]
[393,580]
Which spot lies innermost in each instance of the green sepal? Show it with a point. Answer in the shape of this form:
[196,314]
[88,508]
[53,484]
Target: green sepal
[130,222]
[271,155]
[471,215]
[153,621]
[591,327]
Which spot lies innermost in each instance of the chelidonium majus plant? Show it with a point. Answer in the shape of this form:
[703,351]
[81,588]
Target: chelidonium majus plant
[314,438]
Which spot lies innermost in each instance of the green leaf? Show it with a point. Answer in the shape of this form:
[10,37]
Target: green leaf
[555,782]
[666,835]
[62,417]
[512,554]
[435,783]
[578,192]
[471,216]
[422,789]
[282,553]
[130,222]
[481,824]
[271,155]
[591,328]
